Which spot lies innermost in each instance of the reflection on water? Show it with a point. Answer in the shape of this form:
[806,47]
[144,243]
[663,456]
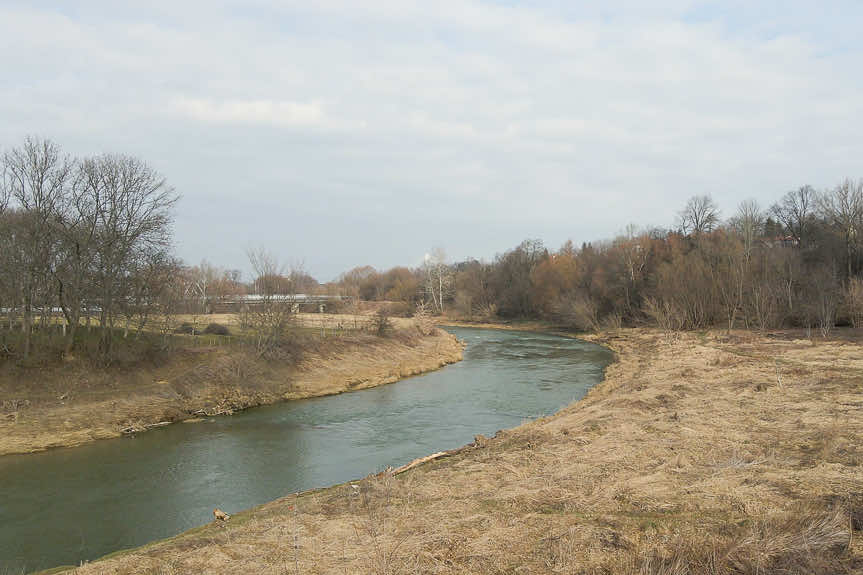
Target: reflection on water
[64,506]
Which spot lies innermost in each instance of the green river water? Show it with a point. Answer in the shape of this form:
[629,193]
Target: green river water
[67,505]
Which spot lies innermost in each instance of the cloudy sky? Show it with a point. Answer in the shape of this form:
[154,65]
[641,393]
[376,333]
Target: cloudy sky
[341,133]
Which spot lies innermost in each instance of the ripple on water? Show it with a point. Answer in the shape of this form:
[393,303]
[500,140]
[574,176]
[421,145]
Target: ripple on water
[127,492]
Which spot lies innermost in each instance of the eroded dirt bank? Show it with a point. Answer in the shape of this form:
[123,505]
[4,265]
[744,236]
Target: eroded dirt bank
[70,406]
[698,454]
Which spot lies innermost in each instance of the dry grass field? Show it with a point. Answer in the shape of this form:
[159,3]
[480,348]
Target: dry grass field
[700,453]
[344,322]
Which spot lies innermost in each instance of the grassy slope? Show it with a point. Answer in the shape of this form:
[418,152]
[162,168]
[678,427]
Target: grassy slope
[71,404]
[689,458]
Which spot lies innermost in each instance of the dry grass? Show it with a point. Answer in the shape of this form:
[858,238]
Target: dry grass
[690,458]
[72,404]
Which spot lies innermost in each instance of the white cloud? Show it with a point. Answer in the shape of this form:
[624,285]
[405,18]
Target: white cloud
[266,112]
[470,122]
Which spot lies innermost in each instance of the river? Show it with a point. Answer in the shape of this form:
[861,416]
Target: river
[68,505]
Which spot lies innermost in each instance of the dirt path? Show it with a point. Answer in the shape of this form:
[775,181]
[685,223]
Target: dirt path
[70,406]
[698,454]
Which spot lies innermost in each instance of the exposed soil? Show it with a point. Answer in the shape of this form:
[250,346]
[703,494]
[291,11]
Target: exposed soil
[68,405]
[699,453]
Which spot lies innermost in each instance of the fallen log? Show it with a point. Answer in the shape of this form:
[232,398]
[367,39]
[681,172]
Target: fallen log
[478,442]
[214,412]
[421,460]
[132,429]
[160,424]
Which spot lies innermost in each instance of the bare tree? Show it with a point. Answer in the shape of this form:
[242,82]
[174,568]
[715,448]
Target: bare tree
[133,206]
[512,281]
[825,286]
[38,178]
[749,224]
[665,314]
[727,264]
[472,282]
[854,301]
[700,215]
[271,313]
[150,277]
[580,312]
[5,188]
[171,299]
[770,294]
[76,254]
[11,265]
[75,235]
[438,277]
[843,209]
[633,254]
[204,285]
[796,212]
[763,300]
[685,289]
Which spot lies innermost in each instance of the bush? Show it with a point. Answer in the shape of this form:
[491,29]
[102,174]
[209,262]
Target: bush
[217,329]
[186,328]
[381,324]
[664,314]
[579,312]
[423,321]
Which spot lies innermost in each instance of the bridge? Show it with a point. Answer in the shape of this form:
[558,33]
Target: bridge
[298,302]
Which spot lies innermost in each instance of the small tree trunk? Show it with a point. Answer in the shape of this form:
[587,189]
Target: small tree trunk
[440,289]
[27,325]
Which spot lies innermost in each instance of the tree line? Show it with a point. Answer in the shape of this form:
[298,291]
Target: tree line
[87,243]
[88,258]
[796,263]
[84,237]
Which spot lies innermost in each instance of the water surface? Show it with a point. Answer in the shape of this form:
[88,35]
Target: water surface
[68,505]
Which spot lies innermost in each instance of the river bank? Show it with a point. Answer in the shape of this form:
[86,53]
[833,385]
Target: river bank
[701,453]
[71,405]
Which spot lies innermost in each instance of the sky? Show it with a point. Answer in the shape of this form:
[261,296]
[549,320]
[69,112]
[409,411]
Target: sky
[338,133]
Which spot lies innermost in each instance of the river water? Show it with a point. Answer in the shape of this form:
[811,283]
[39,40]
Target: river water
[68,505]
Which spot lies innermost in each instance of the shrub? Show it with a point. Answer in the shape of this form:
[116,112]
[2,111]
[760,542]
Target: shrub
[186,328]
[217,329]
[423,321]
[579,312]
[664,314]
[381,324]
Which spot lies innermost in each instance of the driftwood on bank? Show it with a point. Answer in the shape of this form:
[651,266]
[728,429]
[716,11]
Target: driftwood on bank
[139,428]
[421,460]
[479,441]
[214,412]
[136,428]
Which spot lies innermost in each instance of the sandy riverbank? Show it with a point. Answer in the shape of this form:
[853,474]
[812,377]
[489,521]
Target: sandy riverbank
[70,405]
[699,453]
